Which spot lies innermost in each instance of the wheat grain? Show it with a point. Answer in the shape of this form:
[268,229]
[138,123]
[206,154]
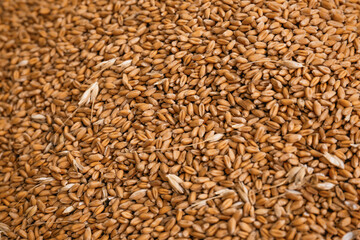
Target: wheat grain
[4,228]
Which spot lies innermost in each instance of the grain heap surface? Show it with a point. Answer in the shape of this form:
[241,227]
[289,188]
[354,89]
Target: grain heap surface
[169,119]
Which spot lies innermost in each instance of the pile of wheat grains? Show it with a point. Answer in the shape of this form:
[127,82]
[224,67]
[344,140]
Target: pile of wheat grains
[171,119]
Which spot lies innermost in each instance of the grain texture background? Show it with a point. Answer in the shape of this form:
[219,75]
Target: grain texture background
[159,119]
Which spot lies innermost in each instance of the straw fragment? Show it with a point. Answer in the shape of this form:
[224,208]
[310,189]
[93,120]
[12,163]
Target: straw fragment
[214,138]
[175,182]
[334,160]
[291,64]
[89,95]
[125,64]
[325,186]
